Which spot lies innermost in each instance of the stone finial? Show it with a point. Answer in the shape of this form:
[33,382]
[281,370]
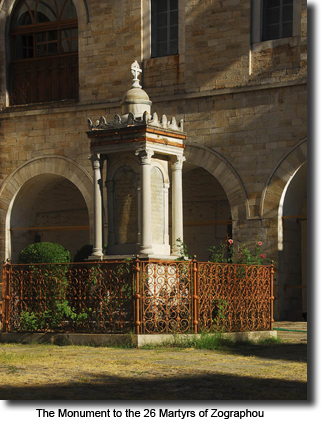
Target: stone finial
[136,70]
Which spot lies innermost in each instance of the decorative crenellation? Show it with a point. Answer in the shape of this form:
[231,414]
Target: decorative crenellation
[129,120]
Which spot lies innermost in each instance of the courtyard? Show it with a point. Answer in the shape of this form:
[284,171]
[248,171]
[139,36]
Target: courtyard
[267,371]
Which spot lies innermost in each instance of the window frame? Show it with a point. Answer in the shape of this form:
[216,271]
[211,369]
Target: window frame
[154,30]
[59,58]
[146,39]
[257,24]
[280,23]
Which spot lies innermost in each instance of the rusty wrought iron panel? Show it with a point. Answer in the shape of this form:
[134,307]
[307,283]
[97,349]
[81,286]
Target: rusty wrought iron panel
[166,297]
[85,297]
[234,297]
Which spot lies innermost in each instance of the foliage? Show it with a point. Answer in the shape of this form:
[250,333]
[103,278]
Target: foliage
[184,254]
[44,253]
[227,253]
[219,313]
[49,283]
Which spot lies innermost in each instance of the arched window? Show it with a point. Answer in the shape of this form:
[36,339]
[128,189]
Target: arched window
[44,51]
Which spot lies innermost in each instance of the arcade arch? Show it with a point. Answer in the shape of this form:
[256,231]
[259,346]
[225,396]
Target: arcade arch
[214,198]
[41,193]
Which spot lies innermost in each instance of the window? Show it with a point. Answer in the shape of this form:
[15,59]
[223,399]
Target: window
[44,52]
[164,27]
[277,19]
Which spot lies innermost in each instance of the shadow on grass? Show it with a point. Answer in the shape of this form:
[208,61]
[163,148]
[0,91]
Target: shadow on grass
[269,348]
[281,351]
[205,386]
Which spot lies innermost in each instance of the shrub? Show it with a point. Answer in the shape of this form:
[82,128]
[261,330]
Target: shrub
[45,252]
[226,253]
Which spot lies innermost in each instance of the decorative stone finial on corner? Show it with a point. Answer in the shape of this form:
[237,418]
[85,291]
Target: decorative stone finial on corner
[136,70]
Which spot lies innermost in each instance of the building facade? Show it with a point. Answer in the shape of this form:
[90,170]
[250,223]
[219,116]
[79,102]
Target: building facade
[233,70]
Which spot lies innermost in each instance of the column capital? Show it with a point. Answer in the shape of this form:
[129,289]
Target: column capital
[96,160]
[145,156]
[177,163]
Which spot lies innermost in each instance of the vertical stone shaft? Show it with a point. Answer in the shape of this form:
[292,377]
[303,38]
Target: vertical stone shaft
[177,208]
[146,209]
[98,233]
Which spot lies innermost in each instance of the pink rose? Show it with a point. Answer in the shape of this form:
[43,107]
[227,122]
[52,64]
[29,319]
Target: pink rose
[260,243]
[230,241]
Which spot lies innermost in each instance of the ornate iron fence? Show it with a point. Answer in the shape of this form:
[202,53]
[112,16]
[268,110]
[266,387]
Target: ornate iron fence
[147,297]
[235,297]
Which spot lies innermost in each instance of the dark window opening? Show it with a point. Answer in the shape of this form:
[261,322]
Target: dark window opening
[164,27]
[277,19]
[44,52]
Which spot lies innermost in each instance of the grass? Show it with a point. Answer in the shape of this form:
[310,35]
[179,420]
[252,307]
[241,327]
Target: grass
[209,368]
[215,341]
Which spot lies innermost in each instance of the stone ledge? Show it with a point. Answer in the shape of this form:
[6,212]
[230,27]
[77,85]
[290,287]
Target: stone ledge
[120,339]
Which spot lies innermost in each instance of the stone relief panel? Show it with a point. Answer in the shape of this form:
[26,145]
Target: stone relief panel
[125,205]
[157,200]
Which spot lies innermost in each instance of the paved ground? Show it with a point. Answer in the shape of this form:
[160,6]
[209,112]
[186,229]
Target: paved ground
[245,372]
[291,332]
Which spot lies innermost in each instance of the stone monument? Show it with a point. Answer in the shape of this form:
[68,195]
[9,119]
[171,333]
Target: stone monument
[139,155]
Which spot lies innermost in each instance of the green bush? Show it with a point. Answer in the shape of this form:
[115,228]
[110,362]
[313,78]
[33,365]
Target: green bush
[44,253]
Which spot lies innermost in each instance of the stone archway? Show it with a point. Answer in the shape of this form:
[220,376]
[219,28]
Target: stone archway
[226,175]
[214,199]
[37,176]
[285,209]
[279,178]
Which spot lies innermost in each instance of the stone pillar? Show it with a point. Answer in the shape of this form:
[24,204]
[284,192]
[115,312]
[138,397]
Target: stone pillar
[166,187]
[110,212]
[145,156]
[98,227]
[177,208]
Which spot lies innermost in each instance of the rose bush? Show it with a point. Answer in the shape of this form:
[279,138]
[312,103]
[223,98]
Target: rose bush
[226,252]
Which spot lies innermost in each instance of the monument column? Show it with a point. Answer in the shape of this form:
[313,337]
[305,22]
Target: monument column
[177,208]
[145,156]
[98,228]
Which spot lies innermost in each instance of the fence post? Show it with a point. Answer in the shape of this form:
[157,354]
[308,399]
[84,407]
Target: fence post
[272,295]
[5,296]
[195,294]
[137,295]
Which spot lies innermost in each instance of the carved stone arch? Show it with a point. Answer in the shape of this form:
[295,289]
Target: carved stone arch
[165,175]
[279,178]
[56,165]
[224,172]
[81,6]
[119,164]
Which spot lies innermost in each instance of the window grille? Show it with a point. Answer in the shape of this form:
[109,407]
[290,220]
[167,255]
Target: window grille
[277,19]
[164,27]
[44,52]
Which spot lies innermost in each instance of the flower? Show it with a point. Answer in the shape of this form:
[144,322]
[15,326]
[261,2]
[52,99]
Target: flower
[262,256]
[230,241]
[259,243]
